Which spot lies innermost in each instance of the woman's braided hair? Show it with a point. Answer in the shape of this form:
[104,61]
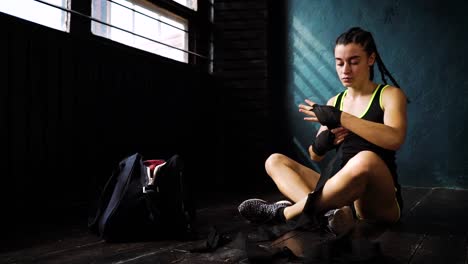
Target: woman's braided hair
[364,38]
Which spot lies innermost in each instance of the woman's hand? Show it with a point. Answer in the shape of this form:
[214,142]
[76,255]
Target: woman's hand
[340,134]
[325,141]
[327,115]
[307,109]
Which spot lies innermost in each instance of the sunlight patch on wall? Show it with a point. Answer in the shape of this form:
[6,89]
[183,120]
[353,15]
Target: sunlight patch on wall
[313,71]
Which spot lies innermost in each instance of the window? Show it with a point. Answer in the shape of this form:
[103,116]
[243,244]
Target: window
[192,4]
[177,29]
[39,12]
[143,25]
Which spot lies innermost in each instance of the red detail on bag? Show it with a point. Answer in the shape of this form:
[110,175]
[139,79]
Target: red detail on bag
[153,163]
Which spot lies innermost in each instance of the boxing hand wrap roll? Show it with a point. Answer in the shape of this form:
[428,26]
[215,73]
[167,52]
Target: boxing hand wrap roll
[327,115]
[323,142]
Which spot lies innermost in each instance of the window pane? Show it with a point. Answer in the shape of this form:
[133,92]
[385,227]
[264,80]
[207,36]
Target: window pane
[153,26]
[188,3]
[39,12]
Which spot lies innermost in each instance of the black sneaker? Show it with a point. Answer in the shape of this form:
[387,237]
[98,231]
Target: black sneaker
[258,211]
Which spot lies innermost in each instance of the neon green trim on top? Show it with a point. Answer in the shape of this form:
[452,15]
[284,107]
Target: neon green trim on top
[380,99]
[342,99]
[368,105]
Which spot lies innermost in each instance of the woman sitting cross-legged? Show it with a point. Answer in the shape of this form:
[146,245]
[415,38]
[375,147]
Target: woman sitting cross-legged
[368,122]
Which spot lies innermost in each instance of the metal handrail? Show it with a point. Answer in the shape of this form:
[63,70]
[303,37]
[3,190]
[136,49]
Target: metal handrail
[128,31]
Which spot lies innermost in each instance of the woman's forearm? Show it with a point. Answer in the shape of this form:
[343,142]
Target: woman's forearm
[379,134]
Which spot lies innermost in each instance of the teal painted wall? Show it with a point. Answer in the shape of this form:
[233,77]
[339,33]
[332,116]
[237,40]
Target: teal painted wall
[422,43]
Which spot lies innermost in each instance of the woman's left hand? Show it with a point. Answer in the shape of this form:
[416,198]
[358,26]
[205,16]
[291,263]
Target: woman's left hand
[326,115]
[307,109]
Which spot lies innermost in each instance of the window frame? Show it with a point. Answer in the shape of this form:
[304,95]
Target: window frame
[111,28]
[64,18]
[199,27]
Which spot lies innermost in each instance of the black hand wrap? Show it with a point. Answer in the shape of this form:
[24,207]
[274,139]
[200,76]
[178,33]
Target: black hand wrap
[327,115]
[323,142]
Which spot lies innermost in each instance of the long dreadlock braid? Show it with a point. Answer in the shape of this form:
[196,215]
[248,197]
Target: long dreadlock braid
[383,71]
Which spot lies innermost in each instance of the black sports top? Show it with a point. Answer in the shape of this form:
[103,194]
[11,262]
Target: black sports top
[354,144]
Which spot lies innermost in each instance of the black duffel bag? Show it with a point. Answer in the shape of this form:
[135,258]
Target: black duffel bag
[145,200]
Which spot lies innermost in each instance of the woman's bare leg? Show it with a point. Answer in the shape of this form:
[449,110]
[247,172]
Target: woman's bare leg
[365,180]
[293,179]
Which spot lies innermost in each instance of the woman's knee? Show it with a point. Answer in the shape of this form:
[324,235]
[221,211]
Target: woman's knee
[364,163]
[274,161]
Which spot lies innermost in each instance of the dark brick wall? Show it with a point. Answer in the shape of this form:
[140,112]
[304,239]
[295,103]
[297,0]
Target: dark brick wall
[241,65]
